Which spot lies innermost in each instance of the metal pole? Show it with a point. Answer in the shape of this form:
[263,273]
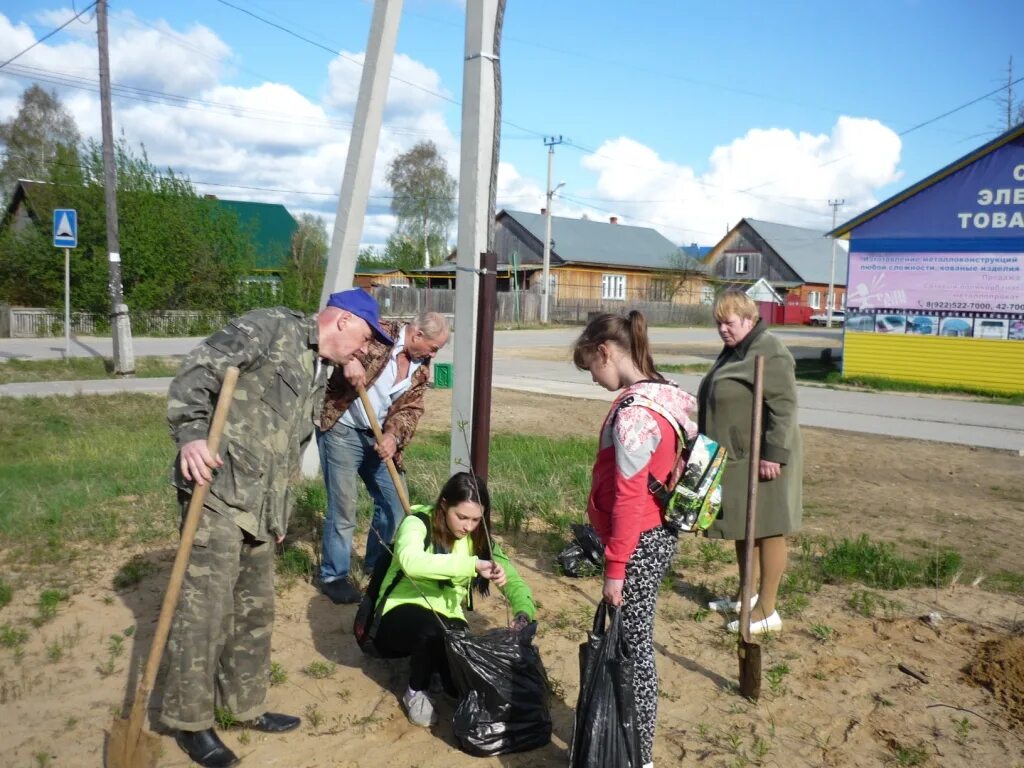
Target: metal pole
[547,239]
[832,275]
[67,304]
[121,328]
[480,449]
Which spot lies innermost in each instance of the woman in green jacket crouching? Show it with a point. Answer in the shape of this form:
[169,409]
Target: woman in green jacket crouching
[439,567]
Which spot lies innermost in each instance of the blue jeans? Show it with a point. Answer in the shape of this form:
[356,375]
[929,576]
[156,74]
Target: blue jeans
[346,453]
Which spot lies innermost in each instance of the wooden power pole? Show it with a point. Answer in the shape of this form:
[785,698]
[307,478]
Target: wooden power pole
[120,322]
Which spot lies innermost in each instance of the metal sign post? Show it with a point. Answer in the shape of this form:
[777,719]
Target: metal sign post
[65,235]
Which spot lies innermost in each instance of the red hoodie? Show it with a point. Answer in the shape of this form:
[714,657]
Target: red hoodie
[637,441]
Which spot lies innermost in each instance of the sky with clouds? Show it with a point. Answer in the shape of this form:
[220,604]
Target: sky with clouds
[675,115]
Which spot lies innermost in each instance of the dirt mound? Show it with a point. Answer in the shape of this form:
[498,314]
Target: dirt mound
[999,667]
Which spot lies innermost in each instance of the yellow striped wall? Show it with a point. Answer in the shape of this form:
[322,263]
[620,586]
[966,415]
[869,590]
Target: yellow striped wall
[991,364]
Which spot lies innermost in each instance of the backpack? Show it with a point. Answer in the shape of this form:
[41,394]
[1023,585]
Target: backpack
[691,497]
[368,615]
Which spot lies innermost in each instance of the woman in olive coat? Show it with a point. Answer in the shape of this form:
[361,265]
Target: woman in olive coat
[725,399]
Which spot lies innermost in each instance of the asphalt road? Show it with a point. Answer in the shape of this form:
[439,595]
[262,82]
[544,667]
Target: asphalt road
[924,417]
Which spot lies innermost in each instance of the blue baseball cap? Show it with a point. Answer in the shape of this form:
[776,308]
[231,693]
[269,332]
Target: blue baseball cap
[363,305]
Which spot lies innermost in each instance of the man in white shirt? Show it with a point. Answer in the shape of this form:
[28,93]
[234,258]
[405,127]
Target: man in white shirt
[396,378]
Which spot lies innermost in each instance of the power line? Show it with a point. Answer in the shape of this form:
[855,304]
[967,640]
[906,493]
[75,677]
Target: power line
[47,36]
[330,50]
[334,52]
[150,96]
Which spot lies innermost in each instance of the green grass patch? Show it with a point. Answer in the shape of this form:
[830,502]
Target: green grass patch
[530,478]
[880,565]
[12,637]
[133,572]
[49,601]
[881,384]
[320,670]
[6,593]
[683,367]
[82,369]
[278,675]
[1005,581]
[295,562]
[84,469]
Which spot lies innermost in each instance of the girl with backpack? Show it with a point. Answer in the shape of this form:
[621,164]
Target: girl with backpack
[432,572]
[635,444]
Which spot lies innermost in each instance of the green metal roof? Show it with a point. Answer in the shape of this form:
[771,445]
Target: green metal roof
[271,228]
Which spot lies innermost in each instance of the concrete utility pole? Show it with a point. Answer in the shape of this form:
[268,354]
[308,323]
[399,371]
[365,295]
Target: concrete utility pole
[832,276]
[362,147]
[478,148]
[120,321]
[545,289]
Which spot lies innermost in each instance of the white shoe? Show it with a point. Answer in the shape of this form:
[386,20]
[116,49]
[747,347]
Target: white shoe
[772,623]
[419,708]
[648,765]
[728,605]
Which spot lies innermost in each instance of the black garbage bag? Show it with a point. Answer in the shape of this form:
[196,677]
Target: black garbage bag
[605,730]
[503,691]
[584,555]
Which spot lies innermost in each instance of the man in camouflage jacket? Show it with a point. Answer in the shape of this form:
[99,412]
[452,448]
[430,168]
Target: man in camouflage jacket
[218,651]
[396,379]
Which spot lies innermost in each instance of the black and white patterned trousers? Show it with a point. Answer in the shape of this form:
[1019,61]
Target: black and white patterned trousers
[644,572]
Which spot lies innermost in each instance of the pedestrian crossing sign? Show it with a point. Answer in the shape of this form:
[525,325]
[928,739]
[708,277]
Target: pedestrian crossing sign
[65,228]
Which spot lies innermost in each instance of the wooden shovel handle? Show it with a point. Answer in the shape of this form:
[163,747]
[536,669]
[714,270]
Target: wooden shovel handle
[753,478]
[396,478]
[188,535]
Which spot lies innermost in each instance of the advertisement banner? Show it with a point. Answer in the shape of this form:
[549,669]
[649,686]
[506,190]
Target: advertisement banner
[980,295]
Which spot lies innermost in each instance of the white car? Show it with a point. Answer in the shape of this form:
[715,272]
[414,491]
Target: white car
[838,318]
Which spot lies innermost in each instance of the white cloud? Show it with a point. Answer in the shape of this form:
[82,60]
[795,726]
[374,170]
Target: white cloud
[772,174]
[157,57]
[84,27]
[272,136]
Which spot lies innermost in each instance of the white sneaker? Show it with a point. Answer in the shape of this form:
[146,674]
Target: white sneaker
[772,623]
[648,765]
[728,605]
[419,708]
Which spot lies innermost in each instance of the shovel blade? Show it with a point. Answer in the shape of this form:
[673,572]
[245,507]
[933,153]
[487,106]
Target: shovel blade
[750,669]
[129,747]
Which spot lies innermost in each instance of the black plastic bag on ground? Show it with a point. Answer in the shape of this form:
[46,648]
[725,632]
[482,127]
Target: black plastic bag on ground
[503,691]
[605,730]
[584,555]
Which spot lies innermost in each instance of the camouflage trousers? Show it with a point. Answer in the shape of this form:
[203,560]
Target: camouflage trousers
[218,652]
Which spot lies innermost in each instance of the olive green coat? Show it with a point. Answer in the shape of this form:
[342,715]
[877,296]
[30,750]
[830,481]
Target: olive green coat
[725,399]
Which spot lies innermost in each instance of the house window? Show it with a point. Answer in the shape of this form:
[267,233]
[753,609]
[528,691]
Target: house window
[707,295]
[814,299]
[613,287]
[660,290]
[742,263]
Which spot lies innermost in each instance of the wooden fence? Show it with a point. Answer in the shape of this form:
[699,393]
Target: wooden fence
[514,308]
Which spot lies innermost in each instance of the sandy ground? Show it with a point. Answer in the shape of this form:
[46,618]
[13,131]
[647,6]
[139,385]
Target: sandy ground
[836,700]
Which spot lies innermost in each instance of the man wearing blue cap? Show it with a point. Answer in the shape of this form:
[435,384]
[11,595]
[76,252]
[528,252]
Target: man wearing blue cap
[395,377]
[218,652]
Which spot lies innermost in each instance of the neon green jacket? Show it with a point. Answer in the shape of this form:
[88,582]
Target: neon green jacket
[442,582]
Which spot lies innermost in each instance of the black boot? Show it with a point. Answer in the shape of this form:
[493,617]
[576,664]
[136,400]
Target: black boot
[273,722]
[206,749]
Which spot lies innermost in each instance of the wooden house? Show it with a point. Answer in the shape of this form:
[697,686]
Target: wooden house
[796,262]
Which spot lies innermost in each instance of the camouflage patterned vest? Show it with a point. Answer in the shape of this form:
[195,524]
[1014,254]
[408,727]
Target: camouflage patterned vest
[271,418]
